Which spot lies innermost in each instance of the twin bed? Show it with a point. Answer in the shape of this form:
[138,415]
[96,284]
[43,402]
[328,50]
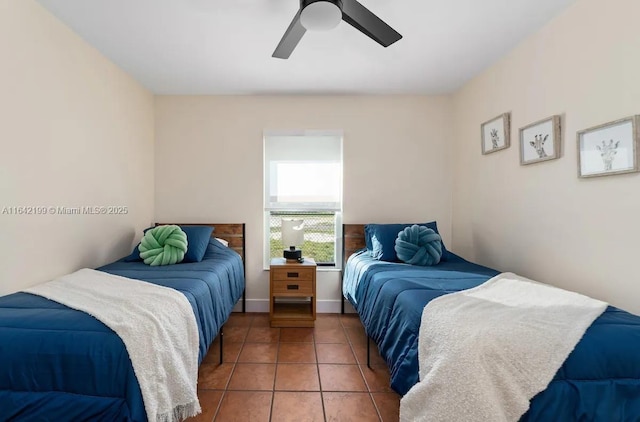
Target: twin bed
[57,363]
[600,380]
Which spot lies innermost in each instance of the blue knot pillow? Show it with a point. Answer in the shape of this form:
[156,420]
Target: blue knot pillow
[418,245]
[381,240]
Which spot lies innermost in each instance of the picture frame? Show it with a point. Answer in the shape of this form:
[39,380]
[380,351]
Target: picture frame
[609,149]
[541,141]
[496,133]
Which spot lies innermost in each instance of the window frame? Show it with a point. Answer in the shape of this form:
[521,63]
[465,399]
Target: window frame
[337,211]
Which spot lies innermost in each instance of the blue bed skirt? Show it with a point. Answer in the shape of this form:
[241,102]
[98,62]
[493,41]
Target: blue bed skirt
[599,381]
[59,364]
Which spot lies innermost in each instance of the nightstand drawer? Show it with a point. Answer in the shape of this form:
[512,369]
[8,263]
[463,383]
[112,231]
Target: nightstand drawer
[292,274]
[292,287]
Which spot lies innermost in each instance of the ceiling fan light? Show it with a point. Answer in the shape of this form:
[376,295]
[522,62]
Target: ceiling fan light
[321,16]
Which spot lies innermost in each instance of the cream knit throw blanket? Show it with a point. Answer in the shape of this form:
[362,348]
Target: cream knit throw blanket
[484,353]
[157,326]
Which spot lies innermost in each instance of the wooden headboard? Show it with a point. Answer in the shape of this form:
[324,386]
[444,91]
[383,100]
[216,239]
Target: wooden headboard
[232,233]
[352,240]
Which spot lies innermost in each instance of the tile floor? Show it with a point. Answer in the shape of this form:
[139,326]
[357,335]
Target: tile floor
[295,374]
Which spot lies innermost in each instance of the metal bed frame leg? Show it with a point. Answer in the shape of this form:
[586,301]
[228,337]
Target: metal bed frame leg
[244,300]
[221,342]
[368,352]
[342,273]
[244,270]
[341,294]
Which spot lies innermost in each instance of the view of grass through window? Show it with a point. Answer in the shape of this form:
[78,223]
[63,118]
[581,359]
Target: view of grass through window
[319,235]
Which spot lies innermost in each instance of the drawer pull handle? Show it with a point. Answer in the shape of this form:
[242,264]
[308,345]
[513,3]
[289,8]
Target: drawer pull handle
[292,275]
[292,287]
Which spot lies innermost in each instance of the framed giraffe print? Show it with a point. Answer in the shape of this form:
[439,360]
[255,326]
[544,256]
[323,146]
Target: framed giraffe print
[496,133]
[611,148]
[541,141]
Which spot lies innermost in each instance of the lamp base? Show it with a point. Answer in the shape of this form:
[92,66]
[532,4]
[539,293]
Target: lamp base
[293,255]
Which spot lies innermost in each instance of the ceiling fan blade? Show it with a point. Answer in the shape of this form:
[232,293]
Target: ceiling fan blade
[290,39]
[369,24]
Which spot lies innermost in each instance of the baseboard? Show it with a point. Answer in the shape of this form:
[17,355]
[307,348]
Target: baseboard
[328,306]
[253,305]
[322,306]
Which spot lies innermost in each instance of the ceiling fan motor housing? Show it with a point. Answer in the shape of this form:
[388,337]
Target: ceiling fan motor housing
[320,15]
[305,3]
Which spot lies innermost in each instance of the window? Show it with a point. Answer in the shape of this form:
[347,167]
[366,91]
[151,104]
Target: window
[303,180]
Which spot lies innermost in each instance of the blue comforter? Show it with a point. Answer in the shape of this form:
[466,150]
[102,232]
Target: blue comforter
[59,364]
[600,380]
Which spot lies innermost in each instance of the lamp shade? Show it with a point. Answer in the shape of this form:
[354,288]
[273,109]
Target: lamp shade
[292,232]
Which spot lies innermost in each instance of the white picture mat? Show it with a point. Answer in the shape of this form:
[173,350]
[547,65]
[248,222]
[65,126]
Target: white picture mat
[545,128]
[590,157]
[497,124]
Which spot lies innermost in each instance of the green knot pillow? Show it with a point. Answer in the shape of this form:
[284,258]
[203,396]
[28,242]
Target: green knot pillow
[163,245]
[418,245]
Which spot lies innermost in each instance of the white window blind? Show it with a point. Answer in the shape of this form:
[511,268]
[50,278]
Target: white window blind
[303,172]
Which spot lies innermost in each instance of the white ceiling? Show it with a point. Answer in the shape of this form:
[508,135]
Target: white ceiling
[225,46]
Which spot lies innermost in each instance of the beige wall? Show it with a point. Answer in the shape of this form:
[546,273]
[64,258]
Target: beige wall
[540,220]
[209,164]
[75,131]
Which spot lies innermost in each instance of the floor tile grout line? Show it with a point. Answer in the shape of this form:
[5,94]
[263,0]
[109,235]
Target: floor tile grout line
[224,391]
[215,414]
[324,411]
[366,383]
[275,377]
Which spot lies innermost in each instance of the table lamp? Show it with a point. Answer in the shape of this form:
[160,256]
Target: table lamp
[292,237]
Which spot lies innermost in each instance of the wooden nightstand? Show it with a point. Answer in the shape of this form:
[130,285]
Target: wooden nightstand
[295,285]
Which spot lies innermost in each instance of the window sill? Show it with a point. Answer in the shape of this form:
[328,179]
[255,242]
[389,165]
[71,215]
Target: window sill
[320,269]
[328,269]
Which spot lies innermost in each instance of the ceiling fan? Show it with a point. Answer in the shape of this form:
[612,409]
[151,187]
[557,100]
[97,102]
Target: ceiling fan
[323,15]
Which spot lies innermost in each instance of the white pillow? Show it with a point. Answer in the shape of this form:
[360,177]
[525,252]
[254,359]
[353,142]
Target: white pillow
[224,242]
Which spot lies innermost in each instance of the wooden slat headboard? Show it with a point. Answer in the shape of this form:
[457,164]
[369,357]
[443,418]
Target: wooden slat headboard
[352,240]
[232,233]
